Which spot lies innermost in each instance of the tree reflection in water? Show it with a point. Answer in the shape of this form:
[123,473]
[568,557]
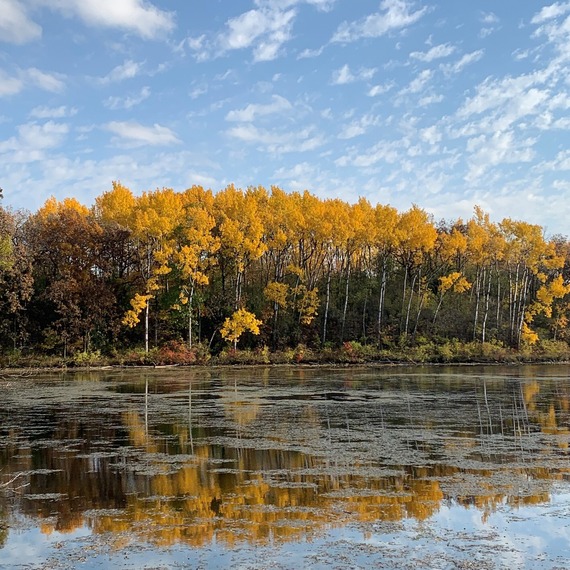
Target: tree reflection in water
[276,454]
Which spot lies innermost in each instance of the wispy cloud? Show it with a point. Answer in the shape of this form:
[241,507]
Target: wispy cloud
[384,151]
[359,127]
[32,140]
[418,83]
[127,102]
[344,75]
[550,12]
[308,53]
[31,77]
[135,134]
[252,111]
[16,27]
[489,18]
[43,112]
[394,15]
[9,85]
[503,147]
[430,99]
[380,89]
[127,70]
[436,52]
[46,81]
[137,16]
[264,30]
[277,142]
[464,61]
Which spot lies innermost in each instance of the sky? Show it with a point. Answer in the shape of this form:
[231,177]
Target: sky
[444,104]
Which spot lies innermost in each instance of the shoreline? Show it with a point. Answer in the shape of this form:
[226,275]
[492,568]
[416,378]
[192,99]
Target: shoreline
[28,371]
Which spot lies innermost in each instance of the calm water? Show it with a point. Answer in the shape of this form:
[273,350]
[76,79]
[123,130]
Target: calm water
[459,467]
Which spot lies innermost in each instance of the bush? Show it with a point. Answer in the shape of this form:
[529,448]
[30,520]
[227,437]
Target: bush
[87,358]
[175,352]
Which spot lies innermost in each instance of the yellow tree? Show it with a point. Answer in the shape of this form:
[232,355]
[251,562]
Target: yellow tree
[115,206]
[485,251]
[281,220]
[415,237]
[153,219]
[449,261]
[383,235]
[531,261]
[337,231]
[196,245]
[240,229]
[240,322]
[454,281]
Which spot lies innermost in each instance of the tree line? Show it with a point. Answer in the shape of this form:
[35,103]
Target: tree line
[260,267]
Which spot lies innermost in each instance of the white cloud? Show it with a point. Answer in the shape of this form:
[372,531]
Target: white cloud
[489,18]
[46,81]
[9,85]
[500,148]
[520,54]
[379,89]
[359,127]
[33,140]
[249,113]
[344,75]
[137,16]
[47,135]
[550,12]
[308,53]
[430,100]
[264,30]
[505,101]
[135,134]
[419,82]
[127,70]
[395,14]
[275,142]
[15,25]
[128,102]
[464,61]
[383,151]
[323,5]
[43,112]
[436,52]
[30,77]
[431,135]
[198,91]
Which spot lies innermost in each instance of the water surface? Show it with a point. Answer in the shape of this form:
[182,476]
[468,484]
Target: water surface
[457,467]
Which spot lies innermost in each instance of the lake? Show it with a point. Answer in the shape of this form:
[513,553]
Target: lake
[287,467]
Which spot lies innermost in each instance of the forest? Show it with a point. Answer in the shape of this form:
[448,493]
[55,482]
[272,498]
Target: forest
[180,277]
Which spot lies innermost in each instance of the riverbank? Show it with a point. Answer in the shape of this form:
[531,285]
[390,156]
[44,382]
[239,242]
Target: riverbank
[349,353]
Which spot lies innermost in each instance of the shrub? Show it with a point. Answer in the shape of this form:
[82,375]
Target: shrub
[87,358]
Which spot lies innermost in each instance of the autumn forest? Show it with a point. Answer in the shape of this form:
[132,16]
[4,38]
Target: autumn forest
[201,273]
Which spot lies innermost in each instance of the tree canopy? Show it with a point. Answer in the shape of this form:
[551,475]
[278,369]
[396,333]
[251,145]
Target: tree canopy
[203,267]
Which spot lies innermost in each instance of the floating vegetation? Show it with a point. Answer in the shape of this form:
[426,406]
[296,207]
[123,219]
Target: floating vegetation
[315,458]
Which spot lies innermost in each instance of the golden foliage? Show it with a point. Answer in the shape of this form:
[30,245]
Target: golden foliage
[240,322]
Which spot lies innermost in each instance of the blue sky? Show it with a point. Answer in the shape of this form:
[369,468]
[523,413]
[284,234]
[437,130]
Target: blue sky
[445,104]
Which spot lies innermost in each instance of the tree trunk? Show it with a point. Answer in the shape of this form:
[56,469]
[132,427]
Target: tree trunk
[190,303]
[146,320]
[327,303]
[345,302]
[381,300]
[409,305]
[486,314]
